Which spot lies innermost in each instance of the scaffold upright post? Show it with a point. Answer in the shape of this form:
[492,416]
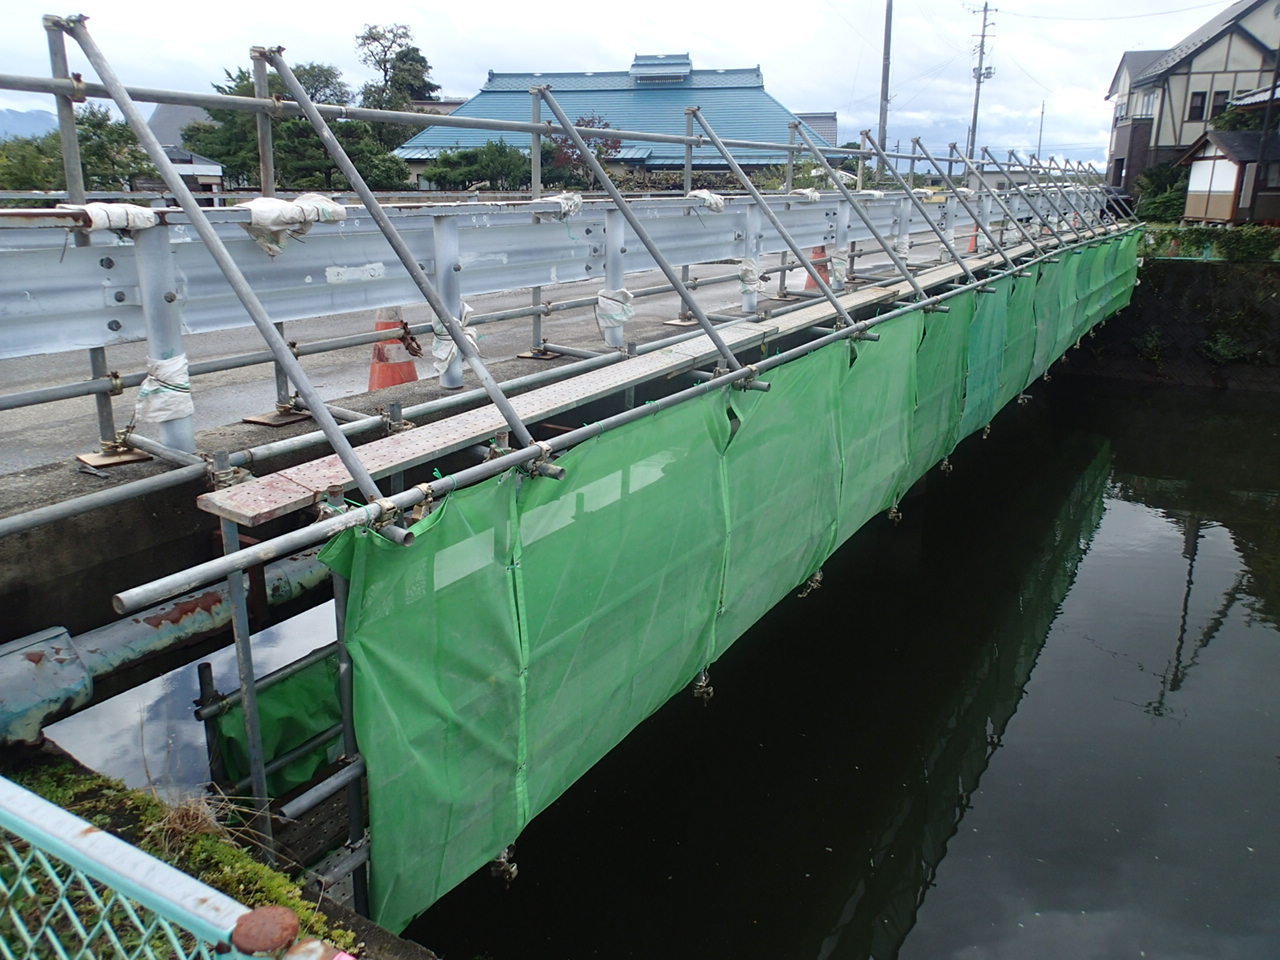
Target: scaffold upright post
[350,746]
[242,635]
[235,278]
[157,290]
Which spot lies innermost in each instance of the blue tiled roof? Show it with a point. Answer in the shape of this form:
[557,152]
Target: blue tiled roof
[734,102]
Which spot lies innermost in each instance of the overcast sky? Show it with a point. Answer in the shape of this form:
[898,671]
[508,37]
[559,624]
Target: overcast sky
[816,56]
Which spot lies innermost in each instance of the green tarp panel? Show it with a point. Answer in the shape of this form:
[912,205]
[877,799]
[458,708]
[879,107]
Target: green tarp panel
[1074,271]
[1126,272]
[619,581]
[291,713]
[984,357]
[534,623]
[940,384]
[1046,309]
[876,399]
[439,693]
[1019,336]
[783,472]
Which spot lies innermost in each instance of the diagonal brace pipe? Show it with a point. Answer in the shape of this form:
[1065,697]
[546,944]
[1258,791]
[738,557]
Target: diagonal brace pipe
[402,251]
[772,217]
[968,208]
[638,229]
[1034,208]
[75,26]
[995,195]
[885,245]
[915,202]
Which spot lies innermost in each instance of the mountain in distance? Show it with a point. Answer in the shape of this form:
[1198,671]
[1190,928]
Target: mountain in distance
[26,123]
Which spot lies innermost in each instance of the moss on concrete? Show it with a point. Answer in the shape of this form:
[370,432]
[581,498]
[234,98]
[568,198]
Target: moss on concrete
[193,840]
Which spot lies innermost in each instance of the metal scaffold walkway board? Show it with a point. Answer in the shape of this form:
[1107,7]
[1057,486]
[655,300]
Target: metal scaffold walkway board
[295,488]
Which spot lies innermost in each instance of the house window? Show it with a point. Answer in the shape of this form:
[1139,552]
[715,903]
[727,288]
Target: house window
[1219,103]
[1195,110]
[1148,103]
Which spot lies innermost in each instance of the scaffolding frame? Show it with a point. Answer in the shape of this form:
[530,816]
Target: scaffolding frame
[790,216]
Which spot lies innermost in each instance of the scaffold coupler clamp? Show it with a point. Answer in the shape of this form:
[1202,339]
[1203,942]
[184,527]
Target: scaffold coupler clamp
[228,477]
[504,867]
[424,506]
[388,515]
[542,466]
[812,584]
[702,688]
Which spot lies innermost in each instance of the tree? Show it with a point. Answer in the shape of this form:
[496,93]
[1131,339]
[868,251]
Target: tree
[109,155]
[569,158]
[496,163]
[301,161]
[31,163]
[403,75]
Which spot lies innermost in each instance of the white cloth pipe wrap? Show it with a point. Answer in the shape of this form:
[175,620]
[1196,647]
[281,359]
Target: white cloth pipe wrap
[614,308]
[165,393]
[807,194]
[712,201]
[273,221]
[570,203]
[115,216]
[749,279]
[443,349]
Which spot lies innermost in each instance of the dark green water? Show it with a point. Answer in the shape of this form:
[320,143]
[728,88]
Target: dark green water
[1038,719]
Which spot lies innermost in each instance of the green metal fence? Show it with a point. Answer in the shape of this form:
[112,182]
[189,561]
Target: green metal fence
[69,890]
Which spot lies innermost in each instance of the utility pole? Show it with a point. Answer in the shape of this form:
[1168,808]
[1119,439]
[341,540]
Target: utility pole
[884,73]
[1040,136]
[981,73]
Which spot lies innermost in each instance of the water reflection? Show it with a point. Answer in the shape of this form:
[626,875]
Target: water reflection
[148,736]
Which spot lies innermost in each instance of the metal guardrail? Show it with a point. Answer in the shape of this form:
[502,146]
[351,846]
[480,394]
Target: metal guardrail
[70,890]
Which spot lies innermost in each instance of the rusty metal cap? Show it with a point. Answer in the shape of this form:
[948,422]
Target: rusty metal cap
[265,930]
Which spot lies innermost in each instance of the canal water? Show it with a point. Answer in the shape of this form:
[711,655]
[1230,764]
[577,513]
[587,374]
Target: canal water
[1036,719]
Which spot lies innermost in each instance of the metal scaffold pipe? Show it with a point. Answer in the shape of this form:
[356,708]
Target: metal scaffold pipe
[75,26]
[402,251]
[772,217]
[641,233]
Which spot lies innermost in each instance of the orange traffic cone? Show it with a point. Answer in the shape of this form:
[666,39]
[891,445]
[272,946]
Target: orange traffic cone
[392,362]
[815,254]
[973,240]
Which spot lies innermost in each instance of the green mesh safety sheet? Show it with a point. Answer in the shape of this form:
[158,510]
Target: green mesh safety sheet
[876,402]
[783,465]
[1019,335]
[1072,294]
[291,712]
[619,579]
[439,671]
[533,623]
[1045,307]
[940,361]
[984,356]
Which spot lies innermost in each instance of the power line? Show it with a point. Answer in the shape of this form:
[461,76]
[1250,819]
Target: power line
[1128,16]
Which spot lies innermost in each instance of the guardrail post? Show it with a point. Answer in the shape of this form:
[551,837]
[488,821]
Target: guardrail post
[158,291]
[751,251]
[444,238]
